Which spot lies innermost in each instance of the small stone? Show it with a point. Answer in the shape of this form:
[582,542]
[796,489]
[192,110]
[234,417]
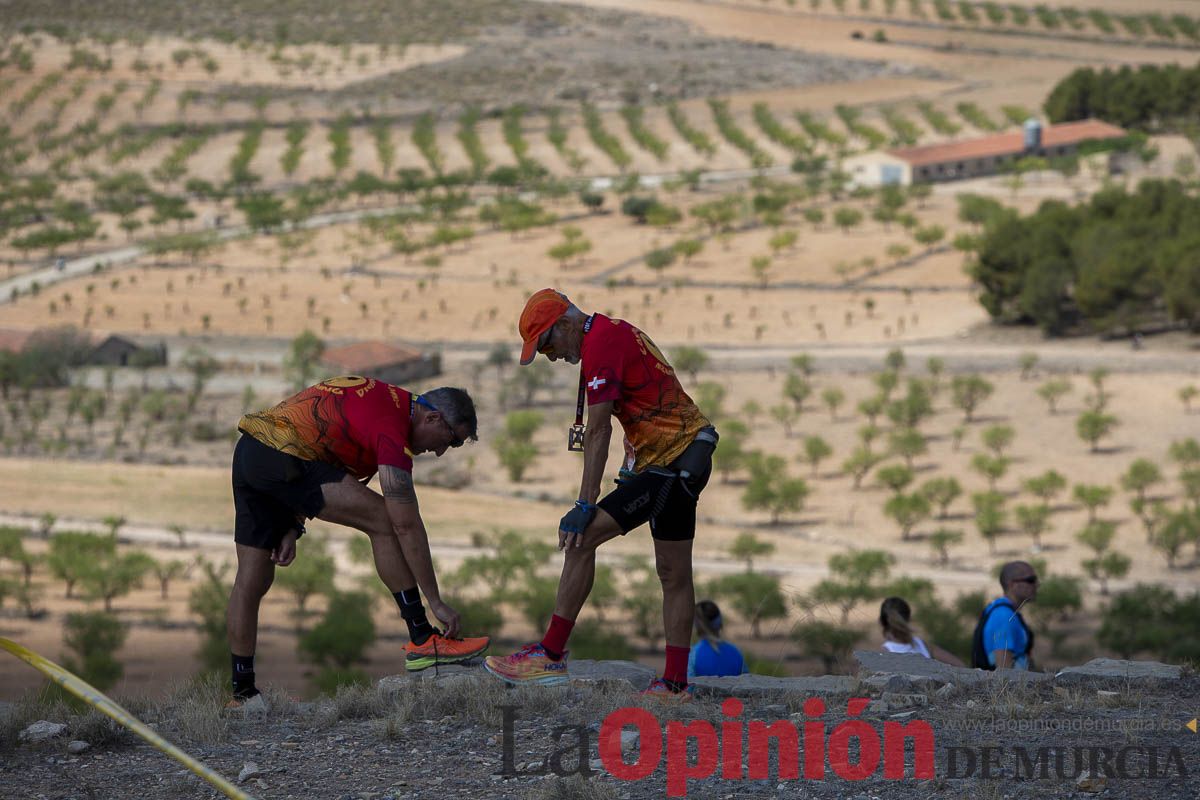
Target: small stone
[945,691]
[78,746]
[260,783]
[491,741]
[971,704]
[249,770]
[629,740]
[42,730]
[596,764]
[248,742]
[1107,693]
[1091,784]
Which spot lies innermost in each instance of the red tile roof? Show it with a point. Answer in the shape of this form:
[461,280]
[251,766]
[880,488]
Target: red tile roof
[1003,144]
[364,356]
[13,340]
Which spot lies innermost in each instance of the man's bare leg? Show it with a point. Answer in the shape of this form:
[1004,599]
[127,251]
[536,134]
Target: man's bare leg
[673,562]
[351,504]
[579,566]
[255,572]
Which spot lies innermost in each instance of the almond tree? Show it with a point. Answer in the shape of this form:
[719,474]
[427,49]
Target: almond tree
[816,450]
[167,571]
[941,492]
[991,467]
[114,575]
[1046,486]
[908,443]
[1092,426]
[747,547]
[771,489]
[1186,395]
[833,397]
[941,539]
[1033,521]
[1141,475]
[1093,497]
[968,392]
[908,510]
[989,516]
[997,438]
[894,477]
[860,462]
[1177,529]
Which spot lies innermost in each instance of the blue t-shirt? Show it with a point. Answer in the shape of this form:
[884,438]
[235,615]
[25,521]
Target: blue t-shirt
[725,660]
[1004,631]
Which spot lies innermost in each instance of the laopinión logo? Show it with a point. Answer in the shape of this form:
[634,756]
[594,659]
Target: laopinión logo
[1041,763]
[694,750]
[853,750]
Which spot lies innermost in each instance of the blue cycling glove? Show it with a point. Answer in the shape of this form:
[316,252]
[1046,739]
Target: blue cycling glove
[575,521]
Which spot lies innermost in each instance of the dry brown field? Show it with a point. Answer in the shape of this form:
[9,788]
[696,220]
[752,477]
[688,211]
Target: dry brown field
[836,294]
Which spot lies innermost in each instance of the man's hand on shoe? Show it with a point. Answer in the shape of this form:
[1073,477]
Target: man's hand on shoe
[448,617]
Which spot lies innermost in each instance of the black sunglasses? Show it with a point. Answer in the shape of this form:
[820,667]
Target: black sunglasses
[1031,579]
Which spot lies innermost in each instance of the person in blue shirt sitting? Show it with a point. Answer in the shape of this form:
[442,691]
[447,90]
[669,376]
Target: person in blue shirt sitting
[712,655]
[1006,639]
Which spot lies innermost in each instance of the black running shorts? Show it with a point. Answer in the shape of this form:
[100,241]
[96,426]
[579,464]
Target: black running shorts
[632,503]
[271,490]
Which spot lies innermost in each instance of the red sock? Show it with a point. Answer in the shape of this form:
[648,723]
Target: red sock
[676,669]
[555,640]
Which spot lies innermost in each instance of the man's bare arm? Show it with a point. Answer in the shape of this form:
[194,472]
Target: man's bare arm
[397,485]
[595,450]
[401,500]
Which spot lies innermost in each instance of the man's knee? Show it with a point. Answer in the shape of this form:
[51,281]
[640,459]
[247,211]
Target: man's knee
[672,575]
[254,583]
[379,528]
[583,553]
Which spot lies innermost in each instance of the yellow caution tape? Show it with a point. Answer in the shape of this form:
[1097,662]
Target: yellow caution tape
[99,701]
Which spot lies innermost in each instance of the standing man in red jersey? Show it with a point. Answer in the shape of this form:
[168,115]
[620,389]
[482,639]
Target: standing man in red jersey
[669,445]
[311,456]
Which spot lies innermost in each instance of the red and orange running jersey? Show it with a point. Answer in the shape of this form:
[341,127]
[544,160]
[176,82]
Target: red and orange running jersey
[352,422]
[621,364]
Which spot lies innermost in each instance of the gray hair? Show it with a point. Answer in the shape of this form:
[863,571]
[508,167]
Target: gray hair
[457,407]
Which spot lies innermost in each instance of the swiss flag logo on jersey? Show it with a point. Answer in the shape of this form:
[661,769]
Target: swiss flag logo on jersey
[604,385]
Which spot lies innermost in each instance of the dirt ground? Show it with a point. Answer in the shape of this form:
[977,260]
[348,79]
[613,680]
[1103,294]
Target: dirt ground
[368,745]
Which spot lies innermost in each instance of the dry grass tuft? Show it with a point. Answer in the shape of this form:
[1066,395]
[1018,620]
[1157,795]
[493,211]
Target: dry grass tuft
[574,788]
[196,709]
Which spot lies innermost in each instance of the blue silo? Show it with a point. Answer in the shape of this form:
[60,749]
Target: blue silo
[1033,135]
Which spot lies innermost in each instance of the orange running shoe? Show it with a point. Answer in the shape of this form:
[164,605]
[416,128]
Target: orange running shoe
[257,704]
[659,690]
[441,649]
[530,664]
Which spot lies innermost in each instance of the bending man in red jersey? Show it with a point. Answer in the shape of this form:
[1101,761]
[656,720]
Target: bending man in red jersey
[669,445]
[311,456]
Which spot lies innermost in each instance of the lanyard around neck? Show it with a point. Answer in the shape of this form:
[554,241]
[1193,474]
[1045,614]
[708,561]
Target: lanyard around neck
[587,326]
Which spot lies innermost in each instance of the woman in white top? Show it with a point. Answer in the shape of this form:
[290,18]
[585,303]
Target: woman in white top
[895,617]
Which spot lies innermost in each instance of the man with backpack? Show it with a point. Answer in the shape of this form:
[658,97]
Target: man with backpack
[1002,640]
